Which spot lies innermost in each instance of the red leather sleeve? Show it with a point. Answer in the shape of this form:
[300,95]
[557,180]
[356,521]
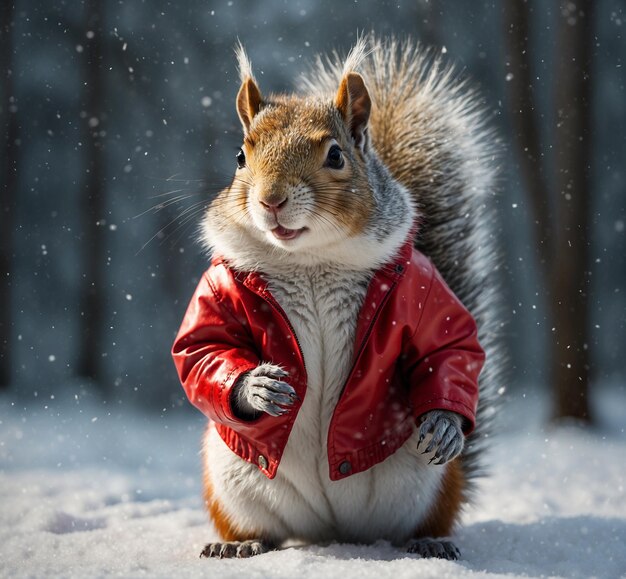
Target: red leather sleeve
[443,358]
[212,349]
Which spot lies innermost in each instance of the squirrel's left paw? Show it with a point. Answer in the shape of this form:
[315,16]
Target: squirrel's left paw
[447,435]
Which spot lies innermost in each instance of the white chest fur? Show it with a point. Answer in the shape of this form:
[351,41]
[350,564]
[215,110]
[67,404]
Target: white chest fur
[323,307]
[387,501]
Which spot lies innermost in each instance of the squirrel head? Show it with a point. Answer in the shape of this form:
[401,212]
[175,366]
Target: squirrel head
[301,172]
[303,178]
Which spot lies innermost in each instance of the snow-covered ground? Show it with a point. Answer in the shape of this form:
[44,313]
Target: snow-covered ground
[89,490]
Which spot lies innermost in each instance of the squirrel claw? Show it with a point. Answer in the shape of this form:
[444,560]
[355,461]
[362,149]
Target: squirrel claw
[434,548]
[235,549]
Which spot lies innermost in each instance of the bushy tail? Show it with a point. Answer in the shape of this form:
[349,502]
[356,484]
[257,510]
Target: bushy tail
[430,129]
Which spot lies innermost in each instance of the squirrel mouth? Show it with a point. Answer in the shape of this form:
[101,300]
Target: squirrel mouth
[285,234]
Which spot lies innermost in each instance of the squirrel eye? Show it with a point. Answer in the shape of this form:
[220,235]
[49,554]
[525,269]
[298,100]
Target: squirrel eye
[335,157]
[241,159]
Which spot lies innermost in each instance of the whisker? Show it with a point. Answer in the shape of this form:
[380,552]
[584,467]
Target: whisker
[198,205]
[320,217]
[165,194]
[175,194]
[224,201]
[242,180]
[195,208]
[235,212]
[330,206]
[186,222]
[164,204]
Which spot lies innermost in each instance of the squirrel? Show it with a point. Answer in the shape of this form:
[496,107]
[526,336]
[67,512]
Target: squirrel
[338,369]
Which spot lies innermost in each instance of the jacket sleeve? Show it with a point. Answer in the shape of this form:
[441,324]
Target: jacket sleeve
[212,349]
[443,358]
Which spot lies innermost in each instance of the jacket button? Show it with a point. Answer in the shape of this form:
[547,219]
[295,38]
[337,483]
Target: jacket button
[262,461]
[345,467]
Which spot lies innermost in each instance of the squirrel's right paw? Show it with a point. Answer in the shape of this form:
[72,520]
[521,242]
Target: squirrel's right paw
[446,435]
[262,390]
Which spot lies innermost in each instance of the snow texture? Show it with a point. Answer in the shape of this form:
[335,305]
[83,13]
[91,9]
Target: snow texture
[92,490]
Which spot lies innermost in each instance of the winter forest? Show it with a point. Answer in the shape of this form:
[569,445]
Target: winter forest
[119,127]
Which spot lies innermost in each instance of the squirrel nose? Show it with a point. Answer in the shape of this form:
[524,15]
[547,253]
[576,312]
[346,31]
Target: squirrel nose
[273,204]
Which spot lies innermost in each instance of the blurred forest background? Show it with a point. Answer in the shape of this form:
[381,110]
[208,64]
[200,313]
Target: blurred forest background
[119,125]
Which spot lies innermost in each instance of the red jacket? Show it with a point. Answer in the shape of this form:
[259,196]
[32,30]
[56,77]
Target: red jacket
[415,350]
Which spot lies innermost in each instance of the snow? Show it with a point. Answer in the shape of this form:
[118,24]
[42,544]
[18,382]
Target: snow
[91,490]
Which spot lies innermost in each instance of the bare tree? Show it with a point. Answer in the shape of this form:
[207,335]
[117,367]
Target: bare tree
[8,184]
[525,125]
[570,283]
[559,206]
[93,197]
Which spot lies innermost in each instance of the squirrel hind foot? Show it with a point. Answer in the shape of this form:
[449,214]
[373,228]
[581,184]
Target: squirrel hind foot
[236,549]
[434,548]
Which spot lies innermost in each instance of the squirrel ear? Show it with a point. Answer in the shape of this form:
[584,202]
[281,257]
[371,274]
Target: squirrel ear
[248,102]
[354,104]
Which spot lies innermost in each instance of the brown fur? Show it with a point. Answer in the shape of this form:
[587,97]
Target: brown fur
[286,142]
[447,506]
[397,127]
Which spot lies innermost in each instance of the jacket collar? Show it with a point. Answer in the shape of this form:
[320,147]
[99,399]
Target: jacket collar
[378,292]
[391,271]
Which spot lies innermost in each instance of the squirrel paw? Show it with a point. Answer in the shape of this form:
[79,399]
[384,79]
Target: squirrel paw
[235,549]
[439,548]
[447,435]
[261,390]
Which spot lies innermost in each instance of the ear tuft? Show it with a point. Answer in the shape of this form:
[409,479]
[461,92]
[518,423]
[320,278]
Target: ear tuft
[354,103]
[243,63]
[359,52]
[249,98]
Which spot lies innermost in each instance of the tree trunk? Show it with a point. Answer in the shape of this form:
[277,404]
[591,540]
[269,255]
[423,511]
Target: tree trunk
[573,150]
[8,185]
[561,219]
[527,137]
[93,199]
